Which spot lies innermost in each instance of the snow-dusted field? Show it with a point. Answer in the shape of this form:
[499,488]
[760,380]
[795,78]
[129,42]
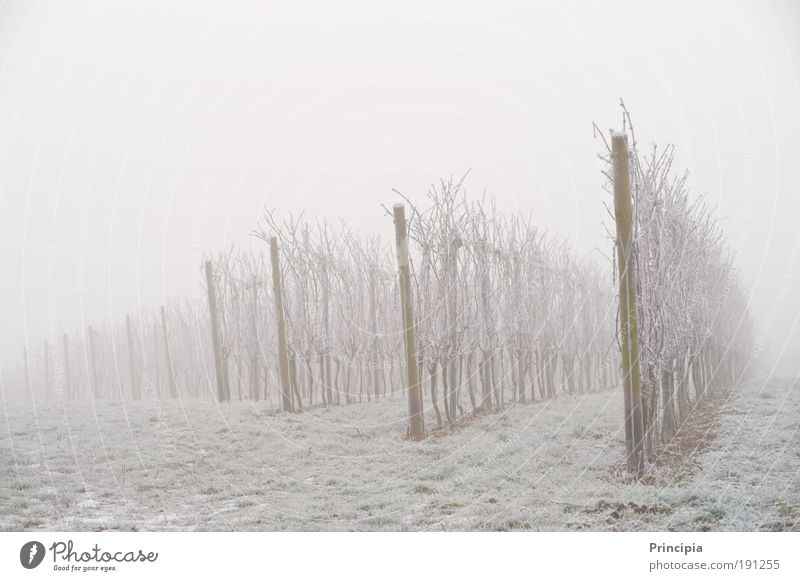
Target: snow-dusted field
[543,466]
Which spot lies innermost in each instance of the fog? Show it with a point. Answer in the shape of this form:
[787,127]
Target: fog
[135,138]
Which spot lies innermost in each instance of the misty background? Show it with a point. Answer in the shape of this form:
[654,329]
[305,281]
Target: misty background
[135,137]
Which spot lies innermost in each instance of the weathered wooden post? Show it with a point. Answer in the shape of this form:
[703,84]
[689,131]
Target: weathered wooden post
[46,371]
[451,386]
[668,389]
[255,365]
[283,352]
[373,328]
[28,384]
[136,390]
[215,340]
[93,356]
[67,376]
[416,419]
[173,387]
[325,364]
[628,289]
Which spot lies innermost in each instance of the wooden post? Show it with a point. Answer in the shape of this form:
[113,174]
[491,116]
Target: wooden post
[92,355]
[255,366]
[373,328]
[46,371]
[173,387]
[154,377]
[283,352]
[628,320]
[215,340]
[136,391]
[453,386]
[668,392]
[67,377]
[28,384]
[415,415]
[326,329]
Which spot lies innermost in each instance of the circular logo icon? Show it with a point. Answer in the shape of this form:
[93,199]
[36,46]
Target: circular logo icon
[31,554]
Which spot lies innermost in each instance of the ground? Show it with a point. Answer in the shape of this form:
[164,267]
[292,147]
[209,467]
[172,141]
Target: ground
[553,465]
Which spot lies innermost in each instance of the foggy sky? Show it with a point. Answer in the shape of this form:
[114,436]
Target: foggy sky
[136,137]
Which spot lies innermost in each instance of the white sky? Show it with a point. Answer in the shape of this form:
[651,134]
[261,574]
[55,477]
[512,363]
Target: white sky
[136,136]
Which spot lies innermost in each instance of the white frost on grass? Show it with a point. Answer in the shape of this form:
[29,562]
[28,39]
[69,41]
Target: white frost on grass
[542,466]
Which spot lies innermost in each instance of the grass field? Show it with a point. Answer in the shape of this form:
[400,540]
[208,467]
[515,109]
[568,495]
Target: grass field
[551,465]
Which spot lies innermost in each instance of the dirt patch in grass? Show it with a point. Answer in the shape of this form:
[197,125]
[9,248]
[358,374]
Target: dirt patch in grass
[698,432]
[449,427]
[615,511]
[681,457]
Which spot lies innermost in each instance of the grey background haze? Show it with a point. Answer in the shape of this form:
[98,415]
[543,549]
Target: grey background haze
[134,137]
